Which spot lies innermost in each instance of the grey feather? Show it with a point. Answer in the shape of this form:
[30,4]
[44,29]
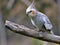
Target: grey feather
[41,19]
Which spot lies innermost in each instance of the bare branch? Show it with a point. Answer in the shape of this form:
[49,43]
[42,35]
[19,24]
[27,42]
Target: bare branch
[32,33]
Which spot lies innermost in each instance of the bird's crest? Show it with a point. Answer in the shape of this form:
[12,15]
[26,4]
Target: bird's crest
[31,7]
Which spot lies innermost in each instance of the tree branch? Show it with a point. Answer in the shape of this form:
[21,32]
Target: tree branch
[32,33]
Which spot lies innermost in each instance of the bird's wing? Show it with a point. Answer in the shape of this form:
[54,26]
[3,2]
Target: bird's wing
[47,23]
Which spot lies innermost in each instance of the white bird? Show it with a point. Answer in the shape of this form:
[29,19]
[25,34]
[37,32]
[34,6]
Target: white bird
[38,19]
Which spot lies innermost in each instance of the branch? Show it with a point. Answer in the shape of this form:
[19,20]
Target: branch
[32,33]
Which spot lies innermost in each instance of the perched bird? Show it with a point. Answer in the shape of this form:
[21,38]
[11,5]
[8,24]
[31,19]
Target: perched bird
[38,19]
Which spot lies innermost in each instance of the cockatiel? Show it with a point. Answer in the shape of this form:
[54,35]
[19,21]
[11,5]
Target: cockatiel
[38,19]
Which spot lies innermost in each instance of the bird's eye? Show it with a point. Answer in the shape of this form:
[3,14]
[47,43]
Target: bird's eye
[29,11]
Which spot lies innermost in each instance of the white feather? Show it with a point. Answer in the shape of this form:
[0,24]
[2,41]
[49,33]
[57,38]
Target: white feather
[32,22]
[30,7]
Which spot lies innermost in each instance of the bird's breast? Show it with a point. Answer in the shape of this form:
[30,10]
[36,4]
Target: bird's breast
[38,21]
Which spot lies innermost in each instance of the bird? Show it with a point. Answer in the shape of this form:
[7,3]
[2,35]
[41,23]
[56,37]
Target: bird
[38,19]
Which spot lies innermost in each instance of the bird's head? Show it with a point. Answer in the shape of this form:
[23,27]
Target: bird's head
[31,12]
